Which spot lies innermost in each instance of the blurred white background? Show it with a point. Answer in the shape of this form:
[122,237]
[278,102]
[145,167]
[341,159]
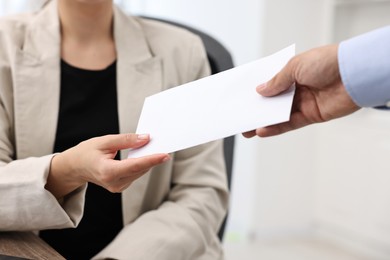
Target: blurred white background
[318,193]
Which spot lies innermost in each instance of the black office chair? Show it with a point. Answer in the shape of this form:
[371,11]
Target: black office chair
[220,60]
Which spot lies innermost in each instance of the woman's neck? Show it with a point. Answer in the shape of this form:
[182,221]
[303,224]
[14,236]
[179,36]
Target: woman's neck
[86,20]
[87,33]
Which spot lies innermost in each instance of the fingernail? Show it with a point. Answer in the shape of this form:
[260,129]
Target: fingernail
[166,158]
[261,87]
[143,137]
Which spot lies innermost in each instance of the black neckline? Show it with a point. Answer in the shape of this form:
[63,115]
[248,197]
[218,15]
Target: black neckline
[76,70]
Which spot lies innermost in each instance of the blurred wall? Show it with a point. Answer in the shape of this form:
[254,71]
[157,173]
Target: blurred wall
[353,175]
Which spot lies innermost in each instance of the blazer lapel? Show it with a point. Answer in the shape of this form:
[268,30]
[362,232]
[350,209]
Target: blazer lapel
[139,74]
[36,89]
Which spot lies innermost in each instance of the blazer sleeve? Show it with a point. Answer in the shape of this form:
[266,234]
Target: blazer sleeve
[186,224]
[25,204]
[364,63]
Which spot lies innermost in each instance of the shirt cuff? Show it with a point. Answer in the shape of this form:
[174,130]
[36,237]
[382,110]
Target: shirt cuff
[364,63]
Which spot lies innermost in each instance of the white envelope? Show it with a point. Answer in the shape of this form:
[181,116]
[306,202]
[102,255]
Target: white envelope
[214,107]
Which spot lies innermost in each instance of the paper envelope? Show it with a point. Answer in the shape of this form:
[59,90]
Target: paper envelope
[214,107]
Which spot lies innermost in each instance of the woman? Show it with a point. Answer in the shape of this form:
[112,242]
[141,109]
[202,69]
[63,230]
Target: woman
[72,77]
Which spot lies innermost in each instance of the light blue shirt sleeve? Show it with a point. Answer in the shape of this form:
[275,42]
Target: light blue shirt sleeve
[364,63]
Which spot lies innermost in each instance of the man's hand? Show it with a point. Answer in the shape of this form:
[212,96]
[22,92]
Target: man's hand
[319,96]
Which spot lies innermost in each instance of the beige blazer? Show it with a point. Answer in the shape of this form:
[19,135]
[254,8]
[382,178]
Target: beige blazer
[175,210]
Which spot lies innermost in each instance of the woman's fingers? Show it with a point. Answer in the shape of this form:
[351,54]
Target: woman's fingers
[93,161]
[132,166]
[122,141]
[115,174]
[124,183]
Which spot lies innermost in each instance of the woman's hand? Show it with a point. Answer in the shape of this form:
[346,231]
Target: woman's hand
[93,161]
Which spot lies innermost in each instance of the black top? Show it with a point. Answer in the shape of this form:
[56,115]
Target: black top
[88,108]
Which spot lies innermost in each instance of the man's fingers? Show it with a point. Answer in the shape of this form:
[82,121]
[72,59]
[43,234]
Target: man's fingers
[270,131]
[297,120]
[280,82]
[249,134]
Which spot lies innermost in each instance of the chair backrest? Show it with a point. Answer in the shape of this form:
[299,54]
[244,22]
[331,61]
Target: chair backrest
[219,59]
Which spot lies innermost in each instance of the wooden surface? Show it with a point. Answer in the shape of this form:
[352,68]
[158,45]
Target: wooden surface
[26,245]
